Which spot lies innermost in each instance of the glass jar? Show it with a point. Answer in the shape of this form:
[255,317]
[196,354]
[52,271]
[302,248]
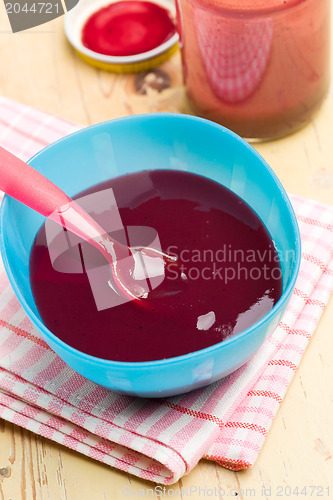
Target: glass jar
[259,67]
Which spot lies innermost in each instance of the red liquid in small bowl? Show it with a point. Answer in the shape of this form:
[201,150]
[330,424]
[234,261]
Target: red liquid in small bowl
[227,276]
[127,28]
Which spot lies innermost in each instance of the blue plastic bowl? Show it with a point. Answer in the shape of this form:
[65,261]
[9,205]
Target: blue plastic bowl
[156,141]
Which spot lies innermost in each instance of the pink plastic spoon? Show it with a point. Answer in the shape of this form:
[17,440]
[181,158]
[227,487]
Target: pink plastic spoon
[22,182]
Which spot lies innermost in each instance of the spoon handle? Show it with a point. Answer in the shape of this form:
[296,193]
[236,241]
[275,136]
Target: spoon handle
[22,182]
[25,184]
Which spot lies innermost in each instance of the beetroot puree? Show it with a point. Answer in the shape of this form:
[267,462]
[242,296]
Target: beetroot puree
[258,67]
[227,276]
[127,28]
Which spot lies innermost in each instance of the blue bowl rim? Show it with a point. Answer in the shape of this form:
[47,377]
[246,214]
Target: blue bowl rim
[185,357]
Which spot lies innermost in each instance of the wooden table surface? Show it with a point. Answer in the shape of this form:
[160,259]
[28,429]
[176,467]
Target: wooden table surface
[40,69]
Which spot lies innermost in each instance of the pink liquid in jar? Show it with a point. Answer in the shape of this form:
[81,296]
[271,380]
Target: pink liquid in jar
[259,67]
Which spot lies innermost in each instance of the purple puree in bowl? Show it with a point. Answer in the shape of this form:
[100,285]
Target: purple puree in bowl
[227,275]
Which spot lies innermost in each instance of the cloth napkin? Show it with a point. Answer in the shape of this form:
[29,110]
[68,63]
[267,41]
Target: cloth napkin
[159,440]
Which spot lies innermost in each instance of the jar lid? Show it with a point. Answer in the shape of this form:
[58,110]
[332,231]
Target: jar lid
[143,57]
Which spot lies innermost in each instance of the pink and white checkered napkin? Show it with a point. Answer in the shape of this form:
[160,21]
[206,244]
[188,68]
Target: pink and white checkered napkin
[159,440]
